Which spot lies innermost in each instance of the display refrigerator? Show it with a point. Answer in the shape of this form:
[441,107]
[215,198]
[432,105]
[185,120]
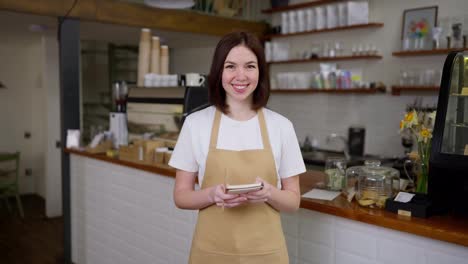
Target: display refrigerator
[448,166]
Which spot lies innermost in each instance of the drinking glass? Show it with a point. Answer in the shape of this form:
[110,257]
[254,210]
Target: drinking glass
[335,169]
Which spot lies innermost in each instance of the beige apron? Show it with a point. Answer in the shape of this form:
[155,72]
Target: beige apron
[249,233]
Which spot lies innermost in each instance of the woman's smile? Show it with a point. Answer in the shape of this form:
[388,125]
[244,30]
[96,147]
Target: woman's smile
[240,88]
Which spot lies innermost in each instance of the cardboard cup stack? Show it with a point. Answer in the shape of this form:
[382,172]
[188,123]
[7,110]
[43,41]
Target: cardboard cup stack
[144,55]
[164,60]
[155,58]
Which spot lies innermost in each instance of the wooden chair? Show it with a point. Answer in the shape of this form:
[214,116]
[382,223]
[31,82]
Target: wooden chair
[9,180]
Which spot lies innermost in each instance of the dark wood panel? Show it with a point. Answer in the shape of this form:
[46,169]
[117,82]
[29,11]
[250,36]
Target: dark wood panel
[132,14]
[425,52]
[328,91]
[170,19]
[337,58]
[396,90]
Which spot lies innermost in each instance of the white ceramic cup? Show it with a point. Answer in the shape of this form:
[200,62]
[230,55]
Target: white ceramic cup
[194,79]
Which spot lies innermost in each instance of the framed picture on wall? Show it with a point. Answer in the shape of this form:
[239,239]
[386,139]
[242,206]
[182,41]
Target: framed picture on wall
[417,27]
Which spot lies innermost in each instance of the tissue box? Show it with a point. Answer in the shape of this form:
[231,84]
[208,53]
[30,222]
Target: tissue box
[419,206]
[102,147]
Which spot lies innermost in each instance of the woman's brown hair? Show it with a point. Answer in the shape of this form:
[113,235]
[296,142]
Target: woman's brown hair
[217,94]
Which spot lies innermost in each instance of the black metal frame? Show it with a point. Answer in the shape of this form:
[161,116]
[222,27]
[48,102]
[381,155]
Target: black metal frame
[448,173]
[437,156]
[69,53]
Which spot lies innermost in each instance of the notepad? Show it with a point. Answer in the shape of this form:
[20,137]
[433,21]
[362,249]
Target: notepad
[321,194]
[243,188]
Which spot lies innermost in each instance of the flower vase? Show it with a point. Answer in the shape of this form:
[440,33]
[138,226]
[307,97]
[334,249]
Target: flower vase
[424,150]
[422,179]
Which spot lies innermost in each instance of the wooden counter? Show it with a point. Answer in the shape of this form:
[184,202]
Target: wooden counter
[162,169]
[445,228]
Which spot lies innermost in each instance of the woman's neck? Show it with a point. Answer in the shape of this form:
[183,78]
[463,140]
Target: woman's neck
[241,111]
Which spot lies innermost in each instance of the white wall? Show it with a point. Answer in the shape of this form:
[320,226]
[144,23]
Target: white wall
[21,105]
[30,70]
[52,158]
[318,115]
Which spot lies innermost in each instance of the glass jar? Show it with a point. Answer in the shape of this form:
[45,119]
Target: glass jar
[373,183]
[335,171]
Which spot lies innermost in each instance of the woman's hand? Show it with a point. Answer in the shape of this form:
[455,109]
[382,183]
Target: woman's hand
[262,195]
[219,197]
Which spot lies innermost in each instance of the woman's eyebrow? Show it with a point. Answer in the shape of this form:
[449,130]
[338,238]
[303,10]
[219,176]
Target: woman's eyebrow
[249,62]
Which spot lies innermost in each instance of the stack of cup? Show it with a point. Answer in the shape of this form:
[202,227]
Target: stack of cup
[144,55]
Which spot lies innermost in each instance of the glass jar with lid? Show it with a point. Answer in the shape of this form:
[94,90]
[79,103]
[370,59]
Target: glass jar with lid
[373,183]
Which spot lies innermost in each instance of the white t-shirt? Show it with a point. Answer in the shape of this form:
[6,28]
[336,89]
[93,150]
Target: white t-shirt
[192,146]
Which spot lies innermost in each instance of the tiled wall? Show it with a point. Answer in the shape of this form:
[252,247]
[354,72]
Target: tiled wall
[317,238]
[124,215]
[319,115]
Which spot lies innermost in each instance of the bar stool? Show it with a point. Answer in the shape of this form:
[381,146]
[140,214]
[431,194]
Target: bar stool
[9,180]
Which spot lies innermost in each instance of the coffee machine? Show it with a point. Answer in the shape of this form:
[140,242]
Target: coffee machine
[118,116]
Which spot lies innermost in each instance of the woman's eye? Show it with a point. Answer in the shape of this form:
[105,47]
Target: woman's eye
[251,66]
[229,66]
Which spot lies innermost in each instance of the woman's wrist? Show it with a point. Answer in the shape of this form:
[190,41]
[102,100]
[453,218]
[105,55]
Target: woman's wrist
[211,194]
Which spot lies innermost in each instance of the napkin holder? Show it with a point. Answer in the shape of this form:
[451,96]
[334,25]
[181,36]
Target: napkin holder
[419,206]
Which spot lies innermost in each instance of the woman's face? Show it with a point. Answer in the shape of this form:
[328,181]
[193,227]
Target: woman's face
[240,74]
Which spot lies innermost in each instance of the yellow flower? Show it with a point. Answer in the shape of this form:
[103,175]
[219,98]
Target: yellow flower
[424,135]
[411,118]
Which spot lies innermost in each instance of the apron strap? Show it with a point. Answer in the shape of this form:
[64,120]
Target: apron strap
[261,121]
[215,129]
[263,130]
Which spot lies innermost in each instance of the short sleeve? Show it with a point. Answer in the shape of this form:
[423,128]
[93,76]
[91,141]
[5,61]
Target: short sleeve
[291,162]
[183,156]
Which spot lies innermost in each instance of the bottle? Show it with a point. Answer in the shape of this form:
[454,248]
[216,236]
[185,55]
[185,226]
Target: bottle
[307,145]
[356,139]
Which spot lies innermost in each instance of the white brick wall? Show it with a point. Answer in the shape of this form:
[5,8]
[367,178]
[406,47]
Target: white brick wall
[124,215]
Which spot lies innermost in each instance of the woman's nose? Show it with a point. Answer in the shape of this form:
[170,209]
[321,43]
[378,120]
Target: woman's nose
[240,74]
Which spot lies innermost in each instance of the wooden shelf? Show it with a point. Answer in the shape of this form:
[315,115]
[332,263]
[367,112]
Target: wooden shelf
[136,15]
[369,25]
[298,6]
[425,52]
[329,91]
[396,90]
[338,58]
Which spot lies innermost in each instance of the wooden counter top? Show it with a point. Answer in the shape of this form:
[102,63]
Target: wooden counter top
[161,169]
[446,228]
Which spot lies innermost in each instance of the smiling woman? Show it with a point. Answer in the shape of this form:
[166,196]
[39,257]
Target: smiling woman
[238,142]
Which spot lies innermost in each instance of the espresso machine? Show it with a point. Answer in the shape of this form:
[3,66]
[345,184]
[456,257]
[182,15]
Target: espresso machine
[118,115]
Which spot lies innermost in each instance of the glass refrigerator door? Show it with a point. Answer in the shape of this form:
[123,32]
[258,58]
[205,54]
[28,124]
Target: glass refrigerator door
[455,135]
